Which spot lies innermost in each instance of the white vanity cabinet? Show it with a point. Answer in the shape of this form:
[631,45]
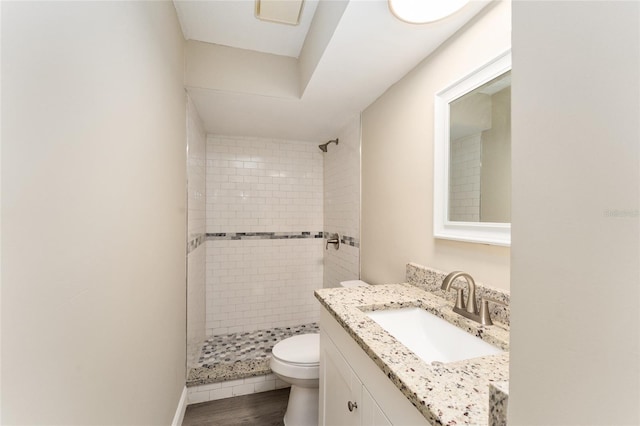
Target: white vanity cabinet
[372,414]
[353,389]
[345,401]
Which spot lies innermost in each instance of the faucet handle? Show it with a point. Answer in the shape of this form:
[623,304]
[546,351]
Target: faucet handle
[485,317]
[460,299]
[333,239]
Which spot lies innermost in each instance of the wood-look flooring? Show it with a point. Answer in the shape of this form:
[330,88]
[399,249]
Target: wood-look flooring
[261,409]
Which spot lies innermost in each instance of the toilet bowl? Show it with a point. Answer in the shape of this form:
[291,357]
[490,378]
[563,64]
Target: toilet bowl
[296,360]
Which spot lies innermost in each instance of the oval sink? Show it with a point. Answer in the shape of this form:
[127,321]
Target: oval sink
[431,338]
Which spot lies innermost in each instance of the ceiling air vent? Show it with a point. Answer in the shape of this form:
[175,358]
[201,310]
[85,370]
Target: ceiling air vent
[280,11]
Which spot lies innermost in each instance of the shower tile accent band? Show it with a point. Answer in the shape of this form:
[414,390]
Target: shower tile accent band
[345,239]
[350,241]
[262,235]
[196,242]
[212,236]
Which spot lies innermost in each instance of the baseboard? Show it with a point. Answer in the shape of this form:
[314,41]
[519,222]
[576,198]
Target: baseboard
[182,407]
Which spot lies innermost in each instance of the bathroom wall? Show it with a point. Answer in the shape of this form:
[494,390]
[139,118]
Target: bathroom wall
[264,233]
[397,163]
[342,205]
[93,213]
[575,294]
[196,232]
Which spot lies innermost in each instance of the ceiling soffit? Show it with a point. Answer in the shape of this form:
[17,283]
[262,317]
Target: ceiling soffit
[354,51]
[233,23]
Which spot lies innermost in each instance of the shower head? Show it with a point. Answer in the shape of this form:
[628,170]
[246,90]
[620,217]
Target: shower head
[323,147]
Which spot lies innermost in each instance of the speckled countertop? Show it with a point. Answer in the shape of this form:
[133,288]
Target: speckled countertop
[450,394]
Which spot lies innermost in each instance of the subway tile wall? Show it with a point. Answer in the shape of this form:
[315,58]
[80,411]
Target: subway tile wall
[263,185]
[464,195]
[196,174]
[254,284]
[221,390]
[259,185]
[196,308]
[196,222]
[342,205]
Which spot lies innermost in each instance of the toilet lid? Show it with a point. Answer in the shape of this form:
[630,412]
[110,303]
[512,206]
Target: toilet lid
[302,349]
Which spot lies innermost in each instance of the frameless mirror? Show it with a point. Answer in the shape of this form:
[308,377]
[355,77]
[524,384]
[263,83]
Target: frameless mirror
[472,193]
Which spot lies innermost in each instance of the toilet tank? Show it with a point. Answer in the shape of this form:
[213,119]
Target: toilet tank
[353,283]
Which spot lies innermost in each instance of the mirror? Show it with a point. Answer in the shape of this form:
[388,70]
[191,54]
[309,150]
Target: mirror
[480,153]
[472,169]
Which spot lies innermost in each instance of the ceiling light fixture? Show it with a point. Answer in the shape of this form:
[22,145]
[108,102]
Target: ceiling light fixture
[424,11]
[280,11]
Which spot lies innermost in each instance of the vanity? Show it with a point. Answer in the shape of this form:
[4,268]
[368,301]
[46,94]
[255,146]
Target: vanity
[368,377]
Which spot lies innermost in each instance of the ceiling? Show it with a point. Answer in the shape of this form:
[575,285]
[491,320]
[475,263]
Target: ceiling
[366,51]
[233,23]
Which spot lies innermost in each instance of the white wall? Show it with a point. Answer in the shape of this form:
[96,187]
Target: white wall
[229,69]
[259,185]
[323,25]
[93,213]
[0,224]
[575,294]
[342,205]
[196,232]
[397,163]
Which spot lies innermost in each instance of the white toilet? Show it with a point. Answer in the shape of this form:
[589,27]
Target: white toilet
[296,360]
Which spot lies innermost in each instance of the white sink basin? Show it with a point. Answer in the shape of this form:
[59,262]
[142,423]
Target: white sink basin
[431,338]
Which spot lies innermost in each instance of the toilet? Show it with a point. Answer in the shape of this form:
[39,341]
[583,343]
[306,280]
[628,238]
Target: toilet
[296,360]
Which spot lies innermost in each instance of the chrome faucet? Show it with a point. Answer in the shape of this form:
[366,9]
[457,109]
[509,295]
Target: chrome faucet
[470,308]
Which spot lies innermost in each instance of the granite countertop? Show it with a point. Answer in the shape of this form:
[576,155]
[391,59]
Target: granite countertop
[450,394]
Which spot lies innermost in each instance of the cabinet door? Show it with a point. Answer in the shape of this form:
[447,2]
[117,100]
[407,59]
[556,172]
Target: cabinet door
[340,389]
[372,414]
[379,401]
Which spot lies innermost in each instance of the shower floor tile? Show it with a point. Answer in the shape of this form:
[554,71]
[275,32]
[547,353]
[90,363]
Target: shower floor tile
[240,355]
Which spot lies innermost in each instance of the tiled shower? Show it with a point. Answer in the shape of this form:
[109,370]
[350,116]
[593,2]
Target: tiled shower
[196,233]
[264,233]
[342,205]
[259,213]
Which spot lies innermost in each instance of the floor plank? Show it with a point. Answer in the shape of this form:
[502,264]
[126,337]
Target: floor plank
[264,409]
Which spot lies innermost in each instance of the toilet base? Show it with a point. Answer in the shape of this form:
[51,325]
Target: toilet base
[302,408]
